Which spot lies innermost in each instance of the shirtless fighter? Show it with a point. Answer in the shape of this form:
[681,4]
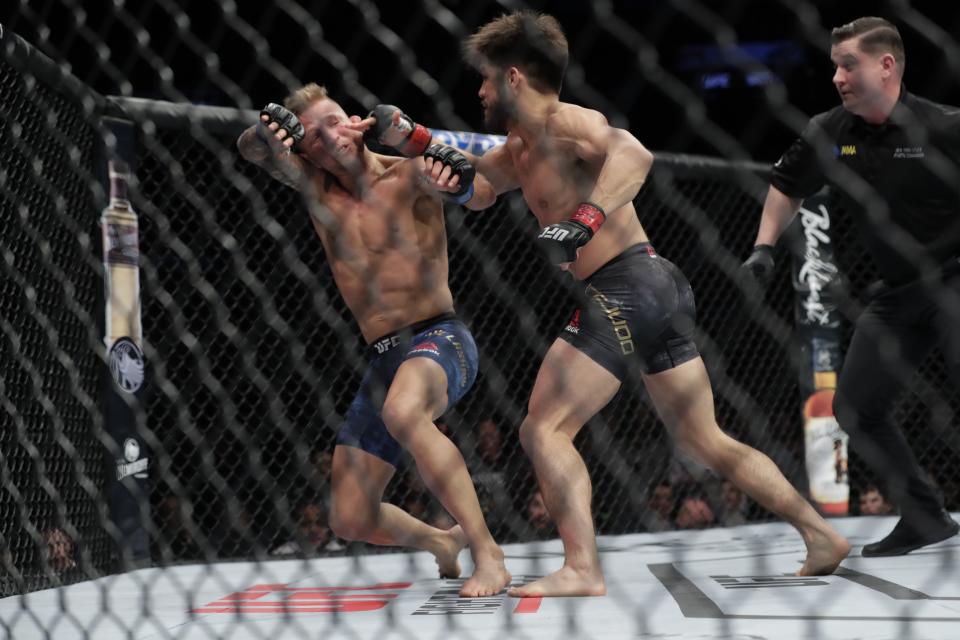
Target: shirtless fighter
[579,176]
[382,228]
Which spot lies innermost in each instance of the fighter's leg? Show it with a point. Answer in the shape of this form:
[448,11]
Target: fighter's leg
[417,396]
[358,512]
[569,390]
[684,400]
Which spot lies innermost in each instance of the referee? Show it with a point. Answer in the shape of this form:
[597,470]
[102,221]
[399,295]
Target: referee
[894,160]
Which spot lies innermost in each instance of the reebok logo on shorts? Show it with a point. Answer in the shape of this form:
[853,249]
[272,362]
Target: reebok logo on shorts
[426,347]
[574,325]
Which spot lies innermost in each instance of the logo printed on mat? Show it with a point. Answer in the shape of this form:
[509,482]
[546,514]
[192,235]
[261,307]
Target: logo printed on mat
[281,598]
[768,582]
[447,601]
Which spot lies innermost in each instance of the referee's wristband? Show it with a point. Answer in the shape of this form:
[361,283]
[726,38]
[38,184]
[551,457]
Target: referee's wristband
[462,199]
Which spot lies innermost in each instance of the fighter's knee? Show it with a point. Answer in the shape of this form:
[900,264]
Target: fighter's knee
[715,450]
[535,432]
[401,417]
[529,430]
[687,437]
[532,430]
[698,452]
[349,523]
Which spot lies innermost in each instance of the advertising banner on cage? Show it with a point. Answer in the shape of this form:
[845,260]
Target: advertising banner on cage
[475,143]
[818,322]
[124,386]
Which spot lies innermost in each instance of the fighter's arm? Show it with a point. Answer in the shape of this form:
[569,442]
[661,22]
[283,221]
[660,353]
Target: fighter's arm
[268,146]
[622,161]
[472,181]
[494,175]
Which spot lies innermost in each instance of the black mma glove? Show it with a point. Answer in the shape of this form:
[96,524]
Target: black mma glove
[561,240]
[286,121]
[397,130]
[759,266]
[459,166]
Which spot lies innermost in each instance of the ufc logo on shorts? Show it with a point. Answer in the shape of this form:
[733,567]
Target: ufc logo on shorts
[386,344]
[554,233]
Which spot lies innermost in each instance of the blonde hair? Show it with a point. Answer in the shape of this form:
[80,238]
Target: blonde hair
[301,99]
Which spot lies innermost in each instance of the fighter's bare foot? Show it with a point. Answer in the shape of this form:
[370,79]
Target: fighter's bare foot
[489,578]
[826,549]
[448,553]
[565,582]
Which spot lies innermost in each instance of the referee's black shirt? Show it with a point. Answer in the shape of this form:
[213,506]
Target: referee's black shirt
[900,179]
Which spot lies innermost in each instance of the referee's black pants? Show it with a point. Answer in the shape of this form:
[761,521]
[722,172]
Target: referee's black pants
[893,335]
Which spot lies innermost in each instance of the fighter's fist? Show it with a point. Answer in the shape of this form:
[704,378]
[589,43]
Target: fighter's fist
[393,128]
[561,240]
[759,266]
[450,171]
[279,123]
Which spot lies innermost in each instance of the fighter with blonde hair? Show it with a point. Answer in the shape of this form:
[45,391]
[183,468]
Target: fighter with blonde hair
[381,224]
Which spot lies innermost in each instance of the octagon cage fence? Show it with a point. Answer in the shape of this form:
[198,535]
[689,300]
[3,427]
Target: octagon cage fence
[252,357]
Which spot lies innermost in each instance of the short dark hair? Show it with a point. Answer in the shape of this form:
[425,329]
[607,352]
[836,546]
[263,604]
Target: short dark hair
[876,36]
[870,486]
[532,42]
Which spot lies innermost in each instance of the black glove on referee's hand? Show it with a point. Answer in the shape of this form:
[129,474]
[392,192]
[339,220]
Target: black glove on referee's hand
[759,266]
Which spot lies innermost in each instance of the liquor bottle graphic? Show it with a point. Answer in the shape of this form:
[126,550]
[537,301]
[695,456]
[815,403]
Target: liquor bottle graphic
[826,450]
[121,261]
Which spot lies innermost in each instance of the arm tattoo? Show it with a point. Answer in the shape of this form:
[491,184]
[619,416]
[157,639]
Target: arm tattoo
[258,151]
[252,147]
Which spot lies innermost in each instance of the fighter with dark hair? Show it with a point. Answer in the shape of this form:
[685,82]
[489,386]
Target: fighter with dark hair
[579,177]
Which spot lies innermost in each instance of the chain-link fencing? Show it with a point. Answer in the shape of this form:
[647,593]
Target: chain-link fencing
[253,357]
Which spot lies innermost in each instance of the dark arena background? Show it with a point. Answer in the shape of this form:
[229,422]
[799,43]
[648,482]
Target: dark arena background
[252,357]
